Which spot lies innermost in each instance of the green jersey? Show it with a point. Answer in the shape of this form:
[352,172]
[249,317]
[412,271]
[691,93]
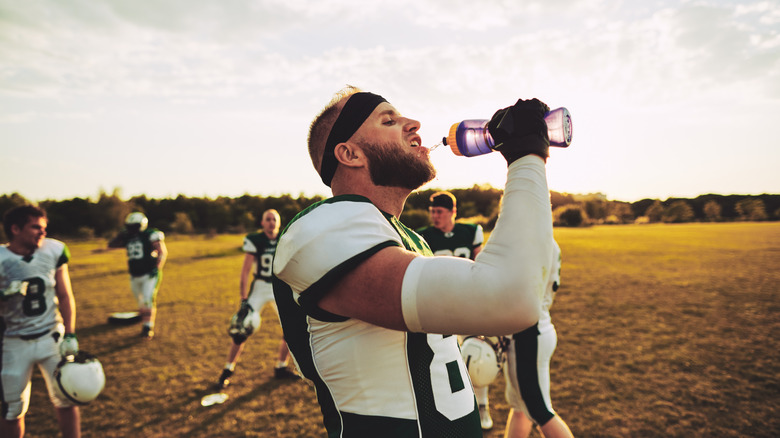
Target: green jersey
[141,257]
[263,248]
[460,242]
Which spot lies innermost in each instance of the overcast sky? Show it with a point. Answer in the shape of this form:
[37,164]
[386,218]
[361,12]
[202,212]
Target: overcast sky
[214,98]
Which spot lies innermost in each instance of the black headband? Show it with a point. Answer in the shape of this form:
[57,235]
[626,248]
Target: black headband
[355,112]
[442,201]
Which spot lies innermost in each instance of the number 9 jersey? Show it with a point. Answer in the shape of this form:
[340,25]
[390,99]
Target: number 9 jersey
[263,248]
[370,381]
[36,311]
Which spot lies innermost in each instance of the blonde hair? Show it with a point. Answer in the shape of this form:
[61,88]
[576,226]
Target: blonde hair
[275,213]
[322,124]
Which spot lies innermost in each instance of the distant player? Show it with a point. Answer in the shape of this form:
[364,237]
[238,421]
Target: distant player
[449,238]
[146,255]
[259,248]
[445,236]
[527,372]
[37,319]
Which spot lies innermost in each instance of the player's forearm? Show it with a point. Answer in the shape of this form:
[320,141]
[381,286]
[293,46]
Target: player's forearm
[162,254]
[67,303]
[500,292]
[243,289]
[68,312]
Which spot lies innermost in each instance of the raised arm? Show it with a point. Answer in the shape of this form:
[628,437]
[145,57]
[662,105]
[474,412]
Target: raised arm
[498,293]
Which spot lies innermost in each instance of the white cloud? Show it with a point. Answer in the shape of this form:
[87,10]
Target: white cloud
[242,65]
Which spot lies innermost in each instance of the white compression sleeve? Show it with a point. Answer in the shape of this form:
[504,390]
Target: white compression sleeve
[500,292]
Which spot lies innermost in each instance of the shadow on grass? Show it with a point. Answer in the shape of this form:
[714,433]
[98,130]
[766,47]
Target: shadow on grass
[116,345]
[100,274]
[100,329]
[204,419]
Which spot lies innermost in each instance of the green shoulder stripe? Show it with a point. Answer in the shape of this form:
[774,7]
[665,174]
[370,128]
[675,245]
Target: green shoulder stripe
[64,257]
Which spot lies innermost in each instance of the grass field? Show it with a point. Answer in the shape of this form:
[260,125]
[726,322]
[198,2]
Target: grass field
[663,331]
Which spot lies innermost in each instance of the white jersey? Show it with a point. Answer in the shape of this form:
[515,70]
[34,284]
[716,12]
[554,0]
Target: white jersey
[545,323]
[527,372]
[370,381]
[37,311]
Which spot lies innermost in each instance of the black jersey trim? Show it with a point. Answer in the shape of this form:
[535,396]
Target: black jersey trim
[310,297]
[526,349]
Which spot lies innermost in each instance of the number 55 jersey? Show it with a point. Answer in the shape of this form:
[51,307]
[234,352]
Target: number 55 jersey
[370,381]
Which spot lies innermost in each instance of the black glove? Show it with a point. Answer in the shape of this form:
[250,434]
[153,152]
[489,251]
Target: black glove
[243,310]
[520,130]
[237,330]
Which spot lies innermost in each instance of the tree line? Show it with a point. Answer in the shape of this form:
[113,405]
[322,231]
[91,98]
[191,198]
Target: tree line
[104,216]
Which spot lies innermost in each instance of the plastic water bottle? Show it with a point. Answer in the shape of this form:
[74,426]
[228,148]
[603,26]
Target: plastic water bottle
[471,137]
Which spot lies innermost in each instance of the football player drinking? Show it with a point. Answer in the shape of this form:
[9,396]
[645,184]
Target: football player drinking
[367,312]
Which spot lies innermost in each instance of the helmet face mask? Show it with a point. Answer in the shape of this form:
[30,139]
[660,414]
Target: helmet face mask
[80,378]
[483,358]
[240,330]
[136,221]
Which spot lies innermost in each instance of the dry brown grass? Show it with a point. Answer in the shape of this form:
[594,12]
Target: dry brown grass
[664,330]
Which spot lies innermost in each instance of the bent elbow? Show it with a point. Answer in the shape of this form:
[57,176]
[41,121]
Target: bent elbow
[520,309]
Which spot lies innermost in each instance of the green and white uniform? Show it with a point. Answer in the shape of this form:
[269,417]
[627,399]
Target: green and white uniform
[370,381]
[263,248]
[527,373]
[145,278]
[460,242]
[31,325]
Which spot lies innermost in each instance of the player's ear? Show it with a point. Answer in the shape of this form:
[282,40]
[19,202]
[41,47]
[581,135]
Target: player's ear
[350,154]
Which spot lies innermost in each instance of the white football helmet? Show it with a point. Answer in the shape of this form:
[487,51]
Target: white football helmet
[246,327]
[483,357]
[80,377]
[137,218]
[252,322]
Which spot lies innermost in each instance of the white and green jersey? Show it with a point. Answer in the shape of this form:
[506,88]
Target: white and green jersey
[37,311]
[545,322]
[460,242]
[370,381]
[263,248]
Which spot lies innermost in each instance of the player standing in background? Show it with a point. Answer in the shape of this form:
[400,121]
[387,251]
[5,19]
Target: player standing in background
[146,255]
[527,371]
[259,258]
[367,311]
[445,236]
[448,238]
[37,319]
